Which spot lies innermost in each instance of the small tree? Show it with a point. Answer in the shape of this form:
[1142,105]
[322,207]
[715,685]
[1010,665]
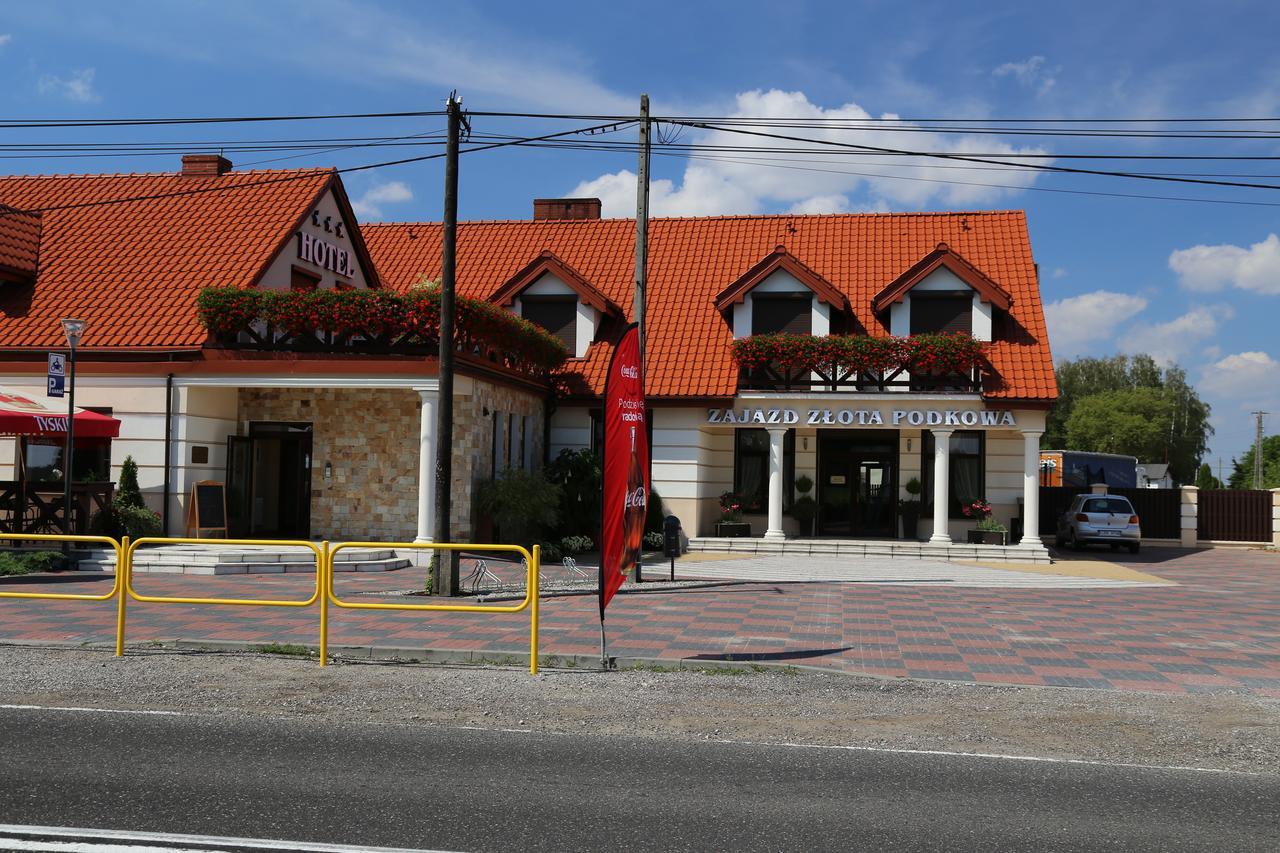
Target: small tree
[1205,478]
[127,491]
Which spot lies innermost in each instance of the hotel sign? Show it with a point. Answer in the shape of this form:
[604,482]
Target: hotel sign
[863,417]
[322,253]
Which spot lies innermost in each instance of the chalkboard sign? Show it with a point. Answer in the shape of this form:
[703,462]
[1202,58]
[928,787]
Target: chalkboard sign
[207,509]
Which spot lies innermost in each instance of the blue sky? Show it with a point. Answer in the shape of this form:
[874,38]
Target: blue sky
[1190,282]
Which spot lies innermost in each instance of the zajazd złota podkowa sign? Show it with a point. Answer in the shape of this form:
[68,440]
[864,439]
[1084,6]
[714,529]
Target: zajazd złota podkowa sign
[864,417]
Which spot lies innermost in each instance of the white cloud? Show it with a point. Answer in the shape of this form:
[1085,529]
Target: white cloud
[1031,73]
[369,205]
[1077,322]
[821,204]
[1246,376]
[819,175]
[1173,341]
[5,38]
[1210,268]
[1059,272]
[78,86]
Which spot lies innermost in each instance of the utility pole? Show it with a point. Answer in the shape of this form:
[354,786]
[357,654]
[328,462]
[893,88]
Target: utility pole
[444,579]
[1257,451]
[642,256]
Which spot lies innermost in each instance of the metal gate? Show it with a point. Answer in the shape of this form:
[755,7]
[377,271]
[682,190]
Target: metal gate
[1159,511]
[1234,515]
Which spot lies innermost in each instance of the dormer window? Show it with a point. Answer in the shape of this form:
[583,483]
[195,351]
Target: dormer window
[556,297]
[789,314]
[781,294]
[557,314]
[942,312]
[942,293]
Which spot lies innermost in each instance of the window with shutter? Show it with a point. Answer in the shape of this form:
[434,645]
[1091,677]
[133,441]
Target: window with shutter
[790,314]
[558,315]
[941,313]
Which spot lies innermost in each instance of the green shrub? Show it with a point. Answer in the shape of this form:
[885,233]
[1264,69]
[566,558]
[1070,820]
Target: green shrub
[127,491]
[119,521]
[551,553]
[580,478]
[18,563]
[654,517]
[524,506]
[576,544]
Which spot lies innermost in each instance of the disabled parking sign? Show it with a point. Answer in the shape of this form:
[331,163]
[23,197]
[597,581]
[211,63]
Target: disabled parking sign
[57,374]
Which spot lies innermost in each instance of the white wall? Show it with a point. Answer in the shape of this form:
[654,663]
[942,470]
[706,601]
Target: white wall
[279,273]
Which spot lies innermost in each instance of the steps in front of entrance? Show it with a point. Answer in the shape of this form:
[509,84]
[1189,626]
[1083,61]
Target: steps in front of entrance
[871,548]
[214,560]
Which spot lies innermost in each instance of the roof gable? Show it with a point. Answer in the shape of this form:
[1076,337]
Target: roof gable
[942,256]
[781,259]
[129,253]
[547,262]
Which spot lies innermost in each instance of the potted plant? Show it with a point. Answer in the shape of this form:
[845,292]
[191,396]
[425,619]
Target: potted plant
[805,508]
[731,523]
[989,531]
[909,508]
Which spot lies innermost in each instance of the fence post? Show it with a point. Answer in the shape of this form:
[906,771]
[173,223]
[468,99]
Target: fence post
[122,592]
[1190,520]
[323,566]
[1275,517]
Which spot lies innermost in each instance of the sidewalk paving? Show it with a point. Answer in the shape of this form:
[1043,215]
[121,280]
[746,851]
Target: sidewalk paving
[1217,628]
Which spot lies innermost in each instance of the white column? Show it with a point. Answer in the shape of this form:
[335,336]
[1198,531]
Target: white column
[426,464]
[777,443]
[941,486]
[1031,489]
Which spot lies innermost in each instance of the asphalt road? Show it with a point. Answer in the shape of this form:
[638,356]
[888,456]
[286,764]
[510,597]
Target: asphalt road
[472,790]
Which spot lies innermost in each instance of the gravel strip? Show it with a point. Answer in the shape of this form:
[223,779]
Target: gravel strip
[1224,731]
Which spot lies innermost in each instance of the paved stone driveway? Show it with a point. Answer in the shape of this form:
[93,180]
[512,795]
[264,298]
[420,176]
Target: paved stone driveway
[1217,629]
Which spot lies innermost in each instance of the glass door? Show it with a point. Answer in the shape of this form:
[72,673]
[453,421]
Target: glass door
[239,476]
[857,485]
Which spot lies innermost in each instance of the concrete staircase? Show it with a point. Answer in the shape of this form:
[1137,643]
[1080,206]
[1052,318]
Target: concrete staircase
[226,560]
[872,548]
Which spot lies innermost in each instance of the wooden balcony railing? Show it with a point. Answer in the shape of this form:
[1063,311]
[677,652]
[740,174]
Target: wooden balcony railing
[836,378]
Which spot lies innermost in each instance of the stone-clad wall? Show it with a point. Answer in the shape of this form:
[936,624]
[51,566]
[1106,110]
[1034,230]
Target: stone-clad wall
[370,437]
[474,406]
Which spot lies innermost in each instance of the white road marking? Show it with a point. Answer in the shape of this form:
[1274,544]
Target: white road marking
[94,710]
[73,840]
[990,756]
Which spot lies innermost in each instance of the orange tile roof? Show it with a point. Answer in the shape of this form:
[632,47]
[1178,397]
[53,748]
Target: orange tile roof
[19,243]
[692,260]
[132,270]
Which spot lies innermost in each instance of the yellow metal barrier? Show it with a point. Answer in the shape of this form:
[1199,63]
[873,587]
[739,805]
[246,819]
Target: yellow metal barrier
[322,566]
[121,578]
[530,596]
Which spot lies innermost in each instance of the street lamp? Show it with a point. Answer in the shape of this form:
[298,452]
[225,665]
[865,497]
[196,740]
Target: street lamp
[74,330]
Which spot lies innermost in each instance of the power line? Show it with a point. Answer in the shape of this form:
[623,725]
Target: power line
[301,175]
[1059,190]
[991,161]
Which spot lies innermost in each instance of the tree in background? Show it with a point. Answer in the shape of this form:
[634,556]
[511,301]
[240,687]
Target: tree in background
[127,491]
[1205,478]
[1131,387]
[1242,466]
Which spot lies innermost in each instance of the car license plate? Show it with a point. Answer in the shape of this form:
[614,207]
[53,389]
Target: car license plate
[1109,532]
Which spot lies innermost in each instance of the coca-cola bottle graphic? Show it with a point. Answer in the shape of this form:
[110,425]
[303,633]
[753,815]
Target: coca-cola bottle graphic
[633,511]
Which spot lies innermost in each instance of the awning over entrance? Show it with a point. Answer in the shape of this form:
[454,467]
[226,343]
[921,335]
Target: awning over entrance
[20,415]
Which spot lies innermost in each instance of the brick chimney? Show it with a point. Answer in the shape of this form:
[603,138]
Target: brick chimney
[204,165]
[566,208]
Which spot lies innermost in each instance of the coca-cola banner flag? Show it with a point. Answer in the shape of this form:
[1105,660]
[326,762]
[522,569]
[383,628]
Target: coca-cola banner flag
[626,466]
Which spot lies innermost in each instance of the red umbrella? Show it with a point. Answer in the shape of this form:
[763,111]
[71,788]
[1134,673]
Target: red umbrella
[20,415]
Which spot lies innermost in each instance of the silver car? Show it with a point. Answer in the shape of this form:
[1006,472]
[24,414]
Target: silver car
[1102,519]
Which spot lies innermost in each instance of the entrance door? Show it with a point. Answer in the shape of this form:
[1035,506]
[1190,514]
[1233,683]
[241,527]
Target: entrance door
[269,481]
[857,485]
